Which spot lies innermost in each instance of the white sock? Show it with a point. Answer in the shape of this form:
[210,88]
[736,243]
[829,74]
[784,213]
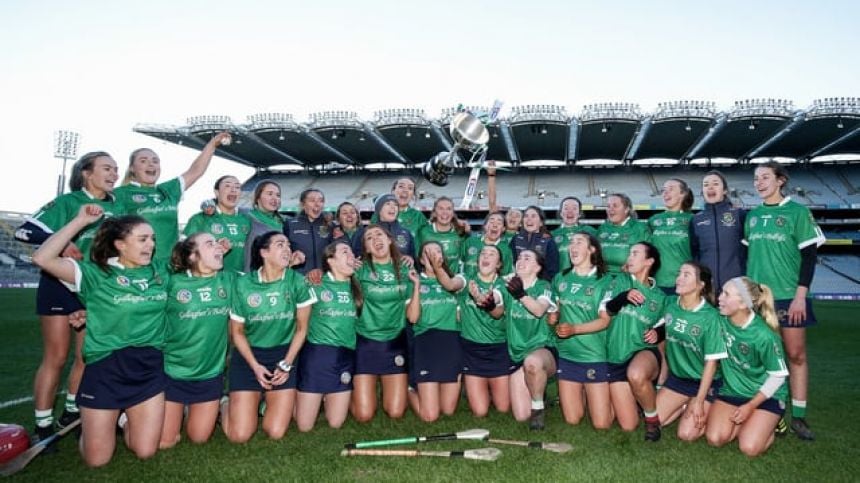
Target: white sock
[44,418]
[537,404]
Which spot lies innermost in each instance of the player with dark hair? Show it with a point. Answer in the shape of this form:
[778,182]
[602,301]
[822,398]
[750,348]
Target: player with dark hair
[569,212]
[620,231]
[494,226]
[327,361]
[783,240]
[716,231]
[635,304]
[670,232]
[751,400]
[264,215]
[226,224]
[386,210]
[447,230]
[581,329]
[195,345]
[92,181]
[310,232]
[126,296]
[535,237]
[268,326]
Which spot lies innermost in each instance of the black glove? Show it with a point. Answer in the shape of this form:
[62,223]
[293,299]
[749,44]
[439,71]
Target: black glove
[515,287]
[617,303]
[661,333]
[489,304]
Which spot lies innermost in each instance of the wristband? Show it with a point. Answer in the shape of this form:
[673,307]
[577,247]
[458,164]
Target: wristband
[285,366]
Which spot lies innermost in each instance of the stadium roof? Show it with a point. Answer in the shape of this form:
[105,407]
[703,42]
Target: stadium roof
[678,131]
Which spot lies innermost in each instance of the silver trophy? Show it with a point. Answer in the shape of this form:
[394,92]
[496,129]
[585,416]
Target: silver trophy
[469,135]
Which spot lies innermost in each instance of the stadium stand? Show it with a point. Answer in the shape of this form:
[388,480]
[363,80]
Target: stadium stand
[15,267]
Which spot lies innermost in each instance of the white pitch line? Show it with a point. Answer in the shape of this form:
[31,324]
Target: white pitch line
[21,400]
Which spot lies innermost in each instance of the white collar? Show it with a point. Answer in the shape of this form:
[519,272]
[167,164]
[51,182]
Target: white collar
[114,262]
[697,308]
[749,320]
[650,280]
[260,275]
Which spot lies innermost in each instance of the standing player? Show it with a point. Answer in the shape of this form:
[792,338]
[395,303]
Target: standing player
[783,240]
[347,222]
[527,301]
[535,237]
[634,365]
[494,226]
[716,231]
[694,346]
[569,210]
[157,203]
[408,217]
[486,362]
[227,225]
[670,232]
[268,325]
[437,359]
[620,231]
[751,400]
[264,215]
[126,297]
[195,345]
[581,329]
[309,232]
[327,361]
[445,229]
[92,181]
[391,296]
[386,212]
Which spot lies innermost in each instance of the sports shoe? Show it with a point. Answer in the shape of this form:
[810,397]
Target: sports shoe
[781,428]
[652,431]
[41,434]
[536,420]
[801,429]
[67,418]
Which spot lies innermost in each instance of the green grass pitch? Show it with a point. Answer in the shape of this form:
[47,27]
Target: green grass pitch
[834,353]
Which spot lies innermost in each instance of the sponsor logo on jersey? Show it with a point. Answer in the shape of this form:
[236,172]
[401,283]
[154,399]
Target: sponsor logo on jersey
[744,348]
[589,291]
[123,281]
[254,300]
[399,361]
[728,219]
[695,330]
[139,198]
[326,296]
[345,377]
[183,296]
[217,228]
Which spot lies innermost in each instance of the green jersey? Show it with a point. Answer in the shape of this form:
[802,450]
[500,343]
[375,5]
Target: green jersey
[472,250]
[579,298]
[755,351]
[438,307]
[158,206]
[775,234]
[616,240]
[268,309]
[271,220]
[198,312]
[125,306]
[450,240]
[64,208]
[624,337]
[383,315]
[476,324]
[525,332]
[410,218]
[693,337]
[562,236]
[232,227]
[333,317]
[670,233]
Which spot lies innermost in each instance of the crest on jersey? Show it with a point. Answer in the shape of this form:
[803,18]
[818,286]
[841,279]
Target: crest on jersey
[753,221]
[625,237]
[255,300]
[123,281]
[139,198]
[658,222]
[183,296]
[744,348]
[323,231]
[327,296]
[373,276]
[345,377]
[591,374]
[401,241]
[222,293]
[652,306]
[399,360]
[217,228]
[728,219]
[695,330]
[473,251]
[425,289]
[558,238]
[562,286]
[780,221]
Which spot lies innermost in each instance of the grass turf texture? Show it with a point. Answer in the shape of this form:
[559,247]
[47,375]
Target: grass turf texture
[612,455]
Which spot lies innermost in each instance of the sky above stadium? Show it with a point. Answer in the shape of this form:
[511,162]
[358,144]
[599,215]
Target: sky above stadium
[99,68]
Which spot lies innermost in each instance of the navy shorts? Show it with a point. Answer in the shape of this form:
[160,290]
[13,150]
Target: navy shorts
[771,405]
[126,377]
[583,372]
[618,372]
[782,306]
[53,298]
[486,360]
[690,387]
[437,357]
[325,369]
[193,392]
[380,358]
[242,377]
